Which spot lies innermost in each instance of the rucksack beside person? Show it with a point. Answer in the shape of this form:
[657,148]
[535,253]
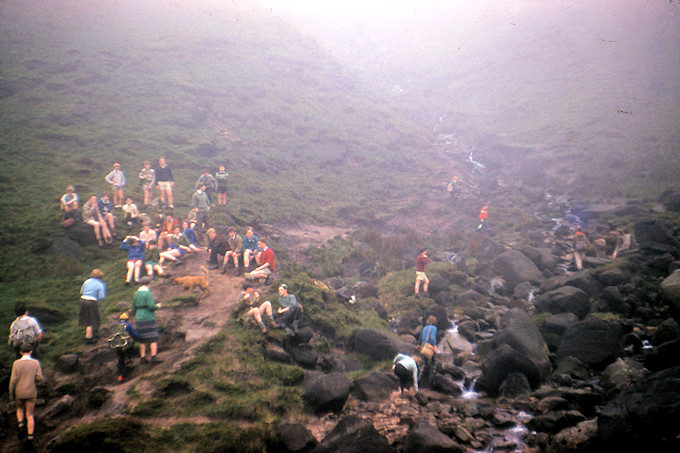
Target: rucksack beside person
[121,339]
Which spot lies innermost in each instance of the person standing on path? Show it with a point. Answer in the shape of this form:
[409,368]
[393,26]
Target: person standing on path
[164,181]
[144,311]
[26,372]
[92,291]
[147,178]
[421,262]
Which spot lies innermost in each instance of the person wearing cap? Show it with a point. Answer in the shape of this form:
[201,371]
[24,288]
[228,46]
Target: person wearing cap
[164,181]
[92,291]
[124,336]
[289,309]
[421,262]
[26,372]
[117,180]
[92,216]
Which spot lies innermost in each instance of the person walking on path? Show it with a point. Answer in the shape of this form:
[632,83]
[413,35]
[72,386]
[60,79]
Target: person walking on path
[26,372]
[122,341]
[92,291]
[116,179]
[144,310]
[164,181]
[24,329]
[421,262]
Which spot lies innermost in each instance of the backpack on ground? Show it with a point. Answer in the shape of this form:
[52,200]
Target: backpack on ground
[23,332]
[121,339]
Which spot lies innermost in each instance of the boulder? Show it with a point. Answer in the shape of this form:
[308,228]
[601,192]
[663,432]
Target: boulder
[555,421]
[566,299]
[583,436]
[620,374]
[305,355]
[614,298]
[500,363]
[58,408]
[614,277]
[670,287]
[593,341]
[444,384]
[426,437]
[326,392]
[553,328]
[543,258]
[82,233]
[353,435]
[379,345]
[519,332]
[375,386]
[644,416]
[514,385]
[664,356]
[296,437]
[584,280]
[276,353]
[653,234]
[516,268]
[68,363]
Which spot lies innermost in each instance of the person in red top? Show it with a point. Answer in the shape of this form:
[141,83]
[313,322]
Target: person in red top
[267,263]
[421,261]
[482,218]
[167,230]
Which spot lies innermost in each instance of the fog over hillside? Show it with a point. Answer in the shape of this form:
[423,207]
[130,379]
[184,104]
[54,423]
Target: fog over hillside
[592,80]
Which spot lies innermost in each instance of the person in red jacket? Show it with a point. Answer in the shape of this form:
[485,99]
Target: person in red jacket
[421,261]
[482,219]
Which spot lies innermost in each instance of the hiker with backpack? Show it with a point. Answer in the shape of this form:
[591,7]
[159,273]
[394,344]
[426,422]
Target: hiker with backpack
[427,347]
[24,329]
[122,341]
[26,371]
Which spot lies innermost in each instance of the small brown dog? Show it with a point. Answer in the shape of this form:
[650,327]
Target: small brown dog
[191,281]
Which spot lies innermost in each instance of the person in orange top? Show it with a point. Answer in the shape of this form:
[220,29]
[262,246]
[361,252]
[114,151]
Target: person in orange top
[482,218]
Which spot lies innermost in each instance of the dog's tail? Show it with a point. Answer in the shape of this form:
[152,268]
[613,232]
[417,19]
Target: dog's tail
[205,271]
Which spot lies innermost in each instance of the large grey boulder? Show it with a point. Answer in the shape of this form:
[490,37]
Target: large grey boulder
[584,280]
[502,362]
[644,416]
[375,386]
[553,328]
[654,235]
[295,437]
[594,342]
[326,392]
[353,435]
[670,287]
[516,268]
[425,437]
[542,257]
[567,299]
[379,345]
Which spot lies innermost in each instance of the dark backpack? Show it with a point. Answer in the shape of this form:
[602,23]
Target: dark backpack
[24,333]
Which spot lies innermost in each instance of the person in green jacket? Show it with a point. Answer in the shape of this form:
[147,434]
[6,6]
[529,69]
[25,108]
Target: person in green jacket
[143,309]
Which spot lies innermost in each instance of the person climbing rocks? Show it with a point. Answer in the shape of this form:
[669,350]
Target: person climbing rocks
[580,245]
[482,219]
[26,372]
[406,369]
[453,189]
[427,347]
[421,262]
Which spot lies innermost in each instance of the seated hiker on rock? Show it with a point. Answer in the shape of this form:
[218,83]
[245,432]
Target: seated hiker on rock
[179,246]
[427,347]
[135,250]
[167,229]
[131,217]
[92,216]
[289,309]
[190,234]
[24,329]
[147,234]
[152,258]
[106,210]
[234,252]
[122,342]
[69,204]
[250,250]
[406,369]
[217,245]
[249,306]
[267,264]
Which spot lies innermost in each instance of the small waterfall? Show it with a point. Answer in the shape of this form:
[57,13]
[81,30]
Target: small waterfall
[472,159]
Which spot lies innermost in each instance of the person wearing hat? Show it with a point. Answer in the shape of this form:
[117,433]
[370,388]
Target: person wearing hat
[26,371]
[421,261]
[124,336]
[117,180]
[92,291]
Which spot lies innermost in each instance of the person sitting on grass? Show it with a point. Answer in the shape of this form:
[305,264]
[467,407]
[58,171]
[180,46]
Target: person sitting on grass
[106,210]
[179,246]
[135,250]
[190,234]
[234,252]
[152,259]
[147,234]
[69,204]
[167,229]
[266,268]
[131,213]
[250,249]
[249,306]
[92,216]
[289,309]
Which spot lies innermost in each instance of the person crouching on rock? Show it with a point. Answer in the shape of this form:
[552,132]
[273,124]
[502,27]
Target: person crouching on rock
[406,369]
